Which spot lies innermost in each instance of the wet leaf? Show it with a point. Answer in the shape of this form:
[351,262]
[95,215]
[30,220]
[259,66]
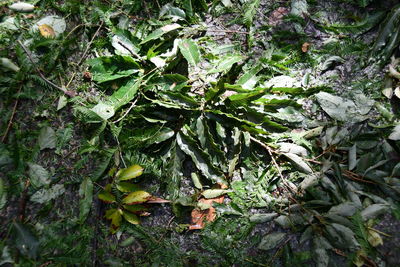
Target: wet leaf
[131,172]
[271,241]
[47,138]
[136,198]
[342,236]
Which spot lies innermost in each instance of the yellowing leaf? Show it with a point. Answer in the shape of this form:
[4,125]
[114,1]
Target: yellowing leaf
[106,197]
[115,216]
[46,31]
[127,187]
[137,209]
[130,173]
[374,238]
[136,198]
[131,218]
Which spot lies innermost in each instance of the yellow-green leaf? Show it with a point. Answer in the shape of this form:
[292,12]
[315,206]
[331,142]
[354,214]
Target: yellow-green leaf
[106,197]
[132,218]
[135,208]
[136,198]
[115,216]
[213,193]
[374,238]
[127,187]
[130,173]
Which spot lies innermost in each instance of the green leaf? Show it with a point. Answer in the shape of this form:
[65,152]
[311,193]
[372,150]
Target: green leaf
[105,69]
[344,209]
[25,241]
[86,194]
[39,176]
[44,195]
[262,218]
[339,108]
[131,218]
[250,78]
[104,111]
[342,236]
[190,51]
[199,157]
[136,198]
[374,210]
[160,32]
[213,193]
[115,216]
[123,46]
[125,94]
[106,196]
[3,194]
[127,187]
[170,10]
[298,162]
[225,63]
[131,172]
[47,138]
[137,209]
[395,134]
[271,241]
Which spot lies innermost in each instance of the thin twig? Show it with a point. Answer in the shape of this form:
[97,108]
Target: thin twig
[274,162]
[69,93]
[379,232]
[90,43]
[12,116]
[127,112]
[228,31]
[130,51]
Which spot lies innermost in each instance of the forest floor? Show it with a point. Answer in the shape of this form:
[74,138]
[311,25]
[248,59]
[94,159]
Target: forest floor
[199,133]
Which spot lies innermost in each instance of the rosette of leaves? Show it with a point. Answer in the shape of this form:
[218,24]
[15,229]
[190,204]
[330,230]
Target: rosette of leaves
[127,198]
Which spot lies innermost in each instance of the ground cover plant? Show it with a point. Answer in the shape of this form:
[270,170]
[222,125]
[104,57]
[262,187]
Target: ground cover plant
[199,133]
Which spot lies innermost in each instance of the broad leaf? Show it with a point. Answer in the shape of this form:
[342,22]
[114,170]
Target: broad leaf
[133,171]
[271,241]
[190,51]
[136,198]
[39,176]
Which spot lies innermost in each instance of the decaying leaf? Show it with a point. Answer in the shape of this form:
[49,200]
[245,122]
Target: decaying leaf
[200,217]
[46,31]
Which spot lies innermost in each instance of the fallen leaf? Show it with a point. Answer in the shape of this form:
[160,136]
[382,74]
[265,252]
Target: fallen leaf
[200,217]
[305,47]
[46,31]
[277,16]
